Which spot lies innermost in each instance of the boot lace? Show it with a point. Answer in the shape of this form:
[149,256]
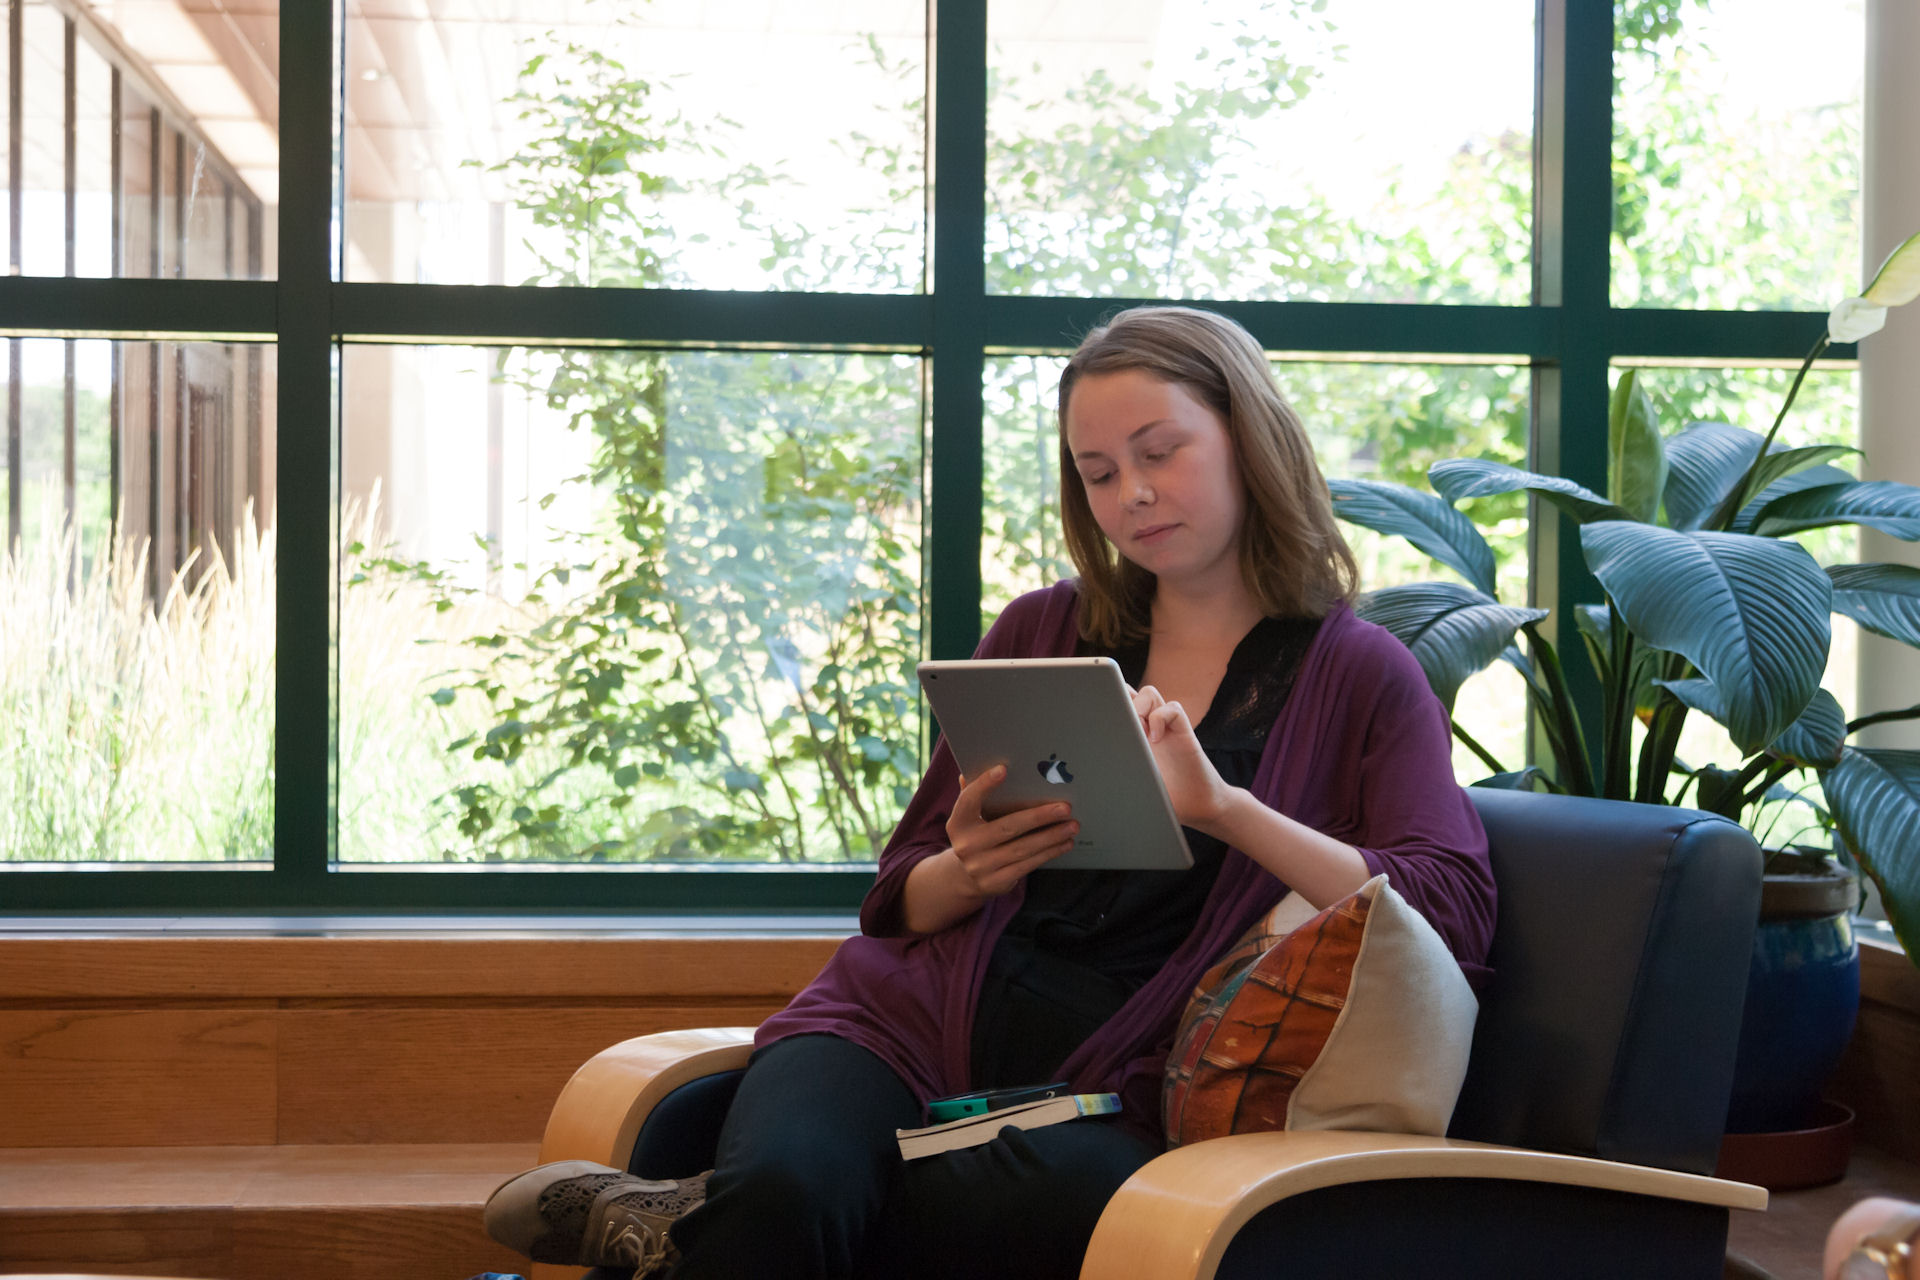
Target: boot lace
[633,1244]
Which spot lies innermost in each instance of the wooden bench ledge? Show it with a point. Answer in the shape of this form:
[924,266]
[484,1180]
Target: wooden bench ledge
[68,1179]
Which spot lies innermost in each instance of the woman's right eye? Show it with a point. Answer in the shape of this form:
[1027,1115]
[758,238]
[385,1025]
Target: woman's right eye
[1102,478]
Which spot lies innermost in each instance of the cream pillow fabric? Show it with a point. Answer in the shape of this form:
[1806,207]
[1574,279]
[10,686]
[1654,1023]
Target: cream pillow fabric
[1356,1017]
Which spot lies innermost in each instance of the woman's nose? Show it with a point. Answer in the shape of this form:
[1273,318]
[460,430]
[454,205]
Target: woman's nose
[1134,491]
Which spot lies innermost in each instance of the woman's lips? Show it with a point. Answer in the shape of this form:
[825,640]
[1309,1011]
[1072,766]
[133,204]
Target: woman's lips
[1154,532]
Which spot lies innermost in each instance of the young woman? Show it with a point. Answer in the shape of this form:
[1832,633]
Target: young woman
[1301,748]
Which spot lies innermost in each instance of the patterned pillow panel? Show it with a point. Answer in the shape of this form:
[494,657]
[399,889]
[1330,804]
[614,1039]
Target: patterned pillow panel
[1257,1021]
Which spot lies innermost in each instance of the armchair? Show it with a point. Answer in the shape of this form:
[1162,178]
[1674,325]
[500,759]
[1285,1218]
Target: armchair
[1581,1145]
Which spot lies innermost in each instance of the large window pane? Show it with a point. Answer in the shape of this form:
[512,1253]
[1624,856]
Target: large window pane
[627,607]
[1737,153]
[1367,420]
[1295,149]
[43,217]
[182,99]
[720,146]
[93,162]
[141,571]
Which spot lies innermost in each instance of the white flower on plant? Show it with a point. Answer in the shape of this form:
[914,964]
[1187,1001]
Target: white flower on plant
[1895,284]
[1854,319]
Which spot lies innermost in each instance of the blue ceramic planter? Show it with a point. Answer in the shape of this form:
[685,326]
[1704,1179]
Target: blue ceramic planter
[1802,994]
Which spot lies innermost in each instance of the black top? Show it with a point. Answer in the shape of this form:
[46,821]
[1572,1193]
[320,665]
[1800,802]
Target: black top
[1084,941]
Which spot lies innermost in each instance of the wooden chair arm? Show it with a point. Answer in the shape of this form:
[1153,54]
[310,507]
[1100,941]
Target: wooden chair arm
[599,1113]
[1174,1218]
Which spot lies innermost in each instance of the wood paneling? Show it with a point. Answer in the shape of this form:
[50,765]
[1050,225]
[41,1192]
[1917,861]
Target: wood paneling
[359,1243]
[1880,1075]
[316,1108]
[143,1077]
[147,1041]
[1880,1079]
[166,1179]
[293,1212]
[117,1242]
[54,968]
[473,1074]
[67,1179]
[1888,977]
[366,1244]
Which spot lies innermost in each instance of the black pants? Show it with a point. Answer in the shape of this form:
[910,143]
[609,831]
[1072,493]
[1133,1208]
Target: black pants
[808,1182]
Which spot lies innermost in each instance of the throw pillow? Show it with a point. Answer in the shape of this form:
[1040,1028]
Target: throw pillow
[1358,1018]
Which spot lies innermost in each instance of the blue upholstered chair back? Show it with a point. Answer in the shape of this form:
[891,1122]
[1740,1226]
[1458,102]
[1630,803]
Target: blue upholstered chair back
[1620,965]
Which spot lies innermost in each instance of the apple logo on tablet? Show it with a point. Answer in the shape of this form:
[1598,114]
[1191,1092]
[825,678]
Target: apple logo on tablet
[1054,770]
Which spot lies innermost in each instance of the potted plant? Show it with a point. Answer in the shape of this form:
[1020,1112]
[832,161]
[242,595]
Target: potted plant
[1709,607]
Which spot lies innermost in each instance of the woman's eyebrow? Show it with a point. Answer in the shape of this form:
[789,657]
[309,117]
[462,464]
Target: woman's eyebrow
[1135,434]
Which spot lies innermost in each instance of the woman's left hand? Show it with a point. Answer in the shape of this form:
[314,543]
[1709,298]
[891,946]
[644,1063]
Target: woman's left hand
[1198,793]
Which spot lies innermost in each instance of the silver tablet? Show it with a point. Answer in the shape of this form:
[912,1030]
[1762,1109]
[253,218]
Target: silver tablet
[1066,730]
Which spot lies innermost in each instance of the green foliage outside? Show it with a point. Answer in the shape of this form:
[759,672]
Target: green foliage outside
[721,669]
[1713,210]
[719,666]
[136,731]
[737,672]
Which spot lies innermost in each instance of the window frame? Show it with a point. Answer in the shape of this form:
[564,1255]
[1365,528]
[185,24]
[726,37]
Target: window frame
[1569,334]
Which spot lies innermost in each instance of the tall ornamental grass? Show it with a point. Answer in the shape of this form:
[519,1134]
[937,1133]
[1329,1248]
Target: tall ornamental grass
[130,730]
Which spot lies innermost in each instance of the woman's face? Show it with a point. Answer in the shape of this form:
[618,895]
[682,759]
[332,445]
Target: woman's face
[1160,475]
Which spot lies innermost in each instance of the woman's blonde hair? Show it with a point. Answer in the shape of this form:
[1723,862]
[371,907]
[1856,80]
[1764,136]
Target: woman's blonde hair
[1292,556]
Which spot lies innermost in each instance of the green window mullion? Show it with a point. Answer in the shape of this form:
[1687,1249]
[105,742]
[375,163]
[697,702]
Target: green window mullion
[582,316]
[1708,336]
[1574,224]
[216,889]
[958,31]
[140,309]
[1024,324]
[303,733]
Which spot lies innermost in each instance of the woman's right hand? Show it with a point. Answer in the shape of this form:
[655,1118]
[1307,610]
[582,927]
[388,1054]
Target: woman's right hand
[995,854]
[987,857]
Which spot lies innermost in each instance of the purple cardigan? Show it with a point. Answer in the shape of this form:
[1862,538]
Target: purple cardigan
[1361,751]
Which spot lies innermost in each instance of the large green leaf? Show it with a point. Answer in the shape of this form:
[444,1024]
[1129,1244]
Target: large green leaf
[1593,621]
[1452,630]
[1883,598]
[1718,791]
[1596,633]
[1778,465]
[1422,519]
[1879,504]
[1636,457]
[1457,479]
[1875,796]
[1704,461]
[1750,613]
[1816,737]
[1699,695]
[1781,463]
[1812,478]
[1707,459]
